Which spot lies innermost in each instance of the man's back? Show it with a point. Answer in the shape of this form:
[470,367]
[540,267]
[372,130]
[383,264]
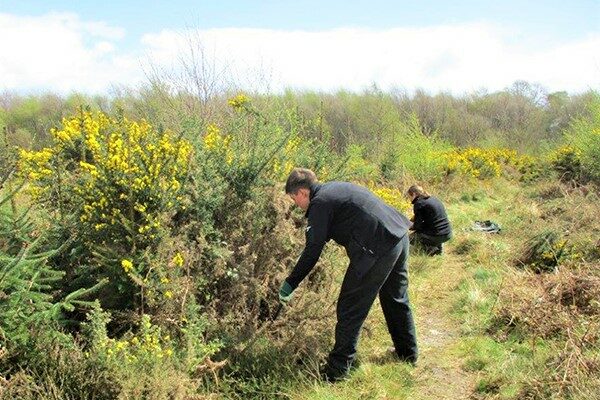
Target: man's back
[353,217]
[356,213]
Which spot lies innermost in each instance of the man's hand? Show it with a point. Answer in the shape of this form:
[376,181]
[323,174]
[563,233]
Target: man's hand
[285,293]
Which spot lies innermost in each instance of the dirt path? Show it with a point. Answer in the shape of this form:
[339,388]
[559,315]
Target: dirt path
[439,374]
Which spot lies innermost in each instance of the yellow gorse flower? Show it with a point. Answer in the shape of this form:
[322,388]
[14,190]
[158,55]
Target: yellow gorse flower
[212,137]
[283,165]
[178,260]
[239,101]
[36,166]
[217,144]
[127,265]
[565,152]
[148,343]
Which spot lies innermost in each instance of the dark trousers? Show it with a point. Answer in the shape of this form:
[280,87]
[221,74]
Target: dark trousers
[388,277]
[431,244]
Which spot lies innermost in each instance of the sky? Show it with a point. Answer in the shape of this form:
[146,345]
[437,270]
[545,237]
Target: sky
[437,46]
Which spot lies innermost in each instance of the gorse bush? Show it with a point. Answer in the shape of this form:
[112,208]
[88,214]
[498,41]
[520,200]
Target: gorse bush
[566,161]
[146,348]
[111,182]
[115,175]
[189,234]
[253,150]
[482,163]
[545,252]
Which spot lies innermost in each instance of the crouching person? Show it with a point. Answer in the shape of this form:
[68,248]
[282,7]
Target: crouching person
[376,241]
[430,223]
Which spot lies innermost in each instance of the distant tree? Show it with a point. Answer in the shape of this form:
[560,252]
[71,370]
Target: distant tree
[535,92]
[563,108]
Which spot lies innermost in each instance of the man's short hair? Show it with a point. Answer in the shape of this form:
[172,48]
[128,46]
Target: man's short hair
[299,178]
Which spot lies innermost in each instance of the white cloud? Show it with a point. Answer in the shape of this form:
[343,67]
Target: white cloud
[58,52]
[458,58]
[61,52]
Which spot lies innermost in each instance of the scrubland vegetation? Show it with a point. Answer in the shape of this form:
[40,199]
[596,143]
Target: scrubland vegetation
[144,237]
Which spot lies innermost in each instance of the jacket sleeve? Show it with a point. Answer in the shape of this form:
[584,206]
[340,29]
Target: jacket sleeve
[418,218]
[317,234]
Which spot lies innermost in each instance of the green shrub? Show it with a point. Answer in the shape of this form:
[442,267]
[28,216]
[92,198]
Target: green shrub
[37,356]
[409,151]
[29,291]
[580,158]
[545,252]
[566,161]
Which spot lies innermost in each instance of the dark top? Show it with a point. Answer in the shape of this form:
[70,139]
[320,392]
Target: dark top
[353,217]
[430,217]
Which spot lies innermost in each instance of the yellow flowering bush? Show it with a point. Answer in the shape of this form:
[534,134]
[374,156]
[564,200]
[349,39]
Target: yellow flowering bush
[283,163]
[259,149]
[145,347]
[482,163]
[239,101]
[116,175]
[392,197]
[545,252]
[113,183]
[566,160]
[218,145]
[297,151]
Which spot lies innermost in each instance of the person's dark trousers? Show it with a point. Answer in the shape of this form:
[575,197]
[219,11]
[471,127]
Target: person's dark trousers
[388,277]
[432,244]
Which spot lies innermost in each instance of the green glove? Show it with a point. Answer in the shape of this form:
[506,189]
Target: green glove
[285,293]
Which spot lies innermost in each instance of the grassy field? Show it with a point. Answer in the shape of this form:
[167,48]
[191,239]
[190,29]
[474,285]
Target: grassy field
[454,298]
[145,263]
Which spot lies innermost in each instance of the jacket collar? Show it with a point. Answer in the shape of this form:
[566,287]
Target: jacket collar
[314,189]
[419,198]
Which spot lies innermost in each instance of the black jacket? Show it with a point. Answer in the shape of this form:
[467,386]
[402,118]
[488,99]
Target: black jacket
[353,217]
[430,217]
